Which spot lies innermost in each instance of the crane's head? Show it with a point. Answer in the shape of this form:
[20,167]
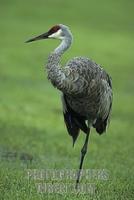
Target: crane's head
[56,32]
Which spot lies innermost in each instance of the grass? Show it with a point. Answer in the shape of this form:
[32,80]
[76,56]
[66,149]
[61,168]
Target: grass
[32,131]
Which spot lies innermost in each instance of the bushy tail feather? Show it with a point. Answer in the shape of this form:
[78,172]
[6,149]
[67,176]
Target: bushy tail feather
[74,122]
[72,128]
[100,125]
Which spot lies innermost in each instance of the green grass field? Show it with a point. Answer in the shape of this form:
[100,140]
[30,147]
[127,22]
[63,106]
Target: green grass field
[32,131]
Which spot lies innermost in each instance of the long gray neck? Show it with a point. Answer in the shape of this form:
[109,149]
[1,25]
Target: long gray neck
[64,45]
[55,73]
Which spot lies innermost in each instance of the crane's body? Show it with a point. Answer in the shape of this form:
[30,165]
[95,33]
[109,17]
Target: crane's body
[86,89]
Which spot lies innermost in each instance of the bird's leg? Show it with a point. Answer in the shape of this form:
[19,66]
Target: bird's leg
[83,153]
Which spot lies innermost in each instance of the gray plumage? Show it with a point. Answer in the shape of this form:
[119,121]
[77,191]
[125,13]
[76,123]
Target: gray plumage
[86,89]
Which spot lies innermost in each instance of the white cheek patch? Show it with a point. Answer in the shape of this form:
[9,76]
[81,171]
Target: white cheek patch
[56,35]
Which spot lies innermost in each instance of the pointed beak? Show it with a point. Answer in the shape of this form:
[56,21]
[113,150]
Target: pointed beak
[39,37]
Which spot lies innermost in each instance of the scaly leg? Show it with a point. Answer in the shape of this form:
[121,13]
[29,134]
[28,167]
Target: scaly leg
[83,153]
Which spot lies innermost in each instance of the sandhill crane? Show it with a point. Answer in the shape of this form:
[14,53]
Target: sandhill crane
[86,89]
